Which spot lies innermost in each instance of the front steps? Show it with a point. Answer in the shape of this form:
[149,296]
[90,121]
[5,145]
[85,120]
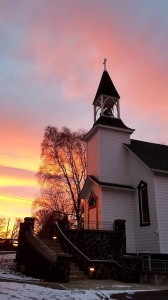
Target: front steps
[53,245]
[75,272]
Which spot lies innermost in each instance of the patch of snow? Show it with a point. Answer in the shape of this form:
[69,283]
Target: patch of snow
[121,286]
[8,268]
[21,291]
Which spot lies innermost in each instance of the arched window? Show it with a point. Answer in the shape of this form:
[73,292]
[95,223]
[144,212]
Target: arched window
[143,204]
[92,201]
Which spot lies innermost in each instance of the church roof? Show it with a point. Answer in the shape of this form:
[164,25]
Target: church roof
[112,122]
[90,180]
[155,156]
[108,121]
[109,184]
[106,87]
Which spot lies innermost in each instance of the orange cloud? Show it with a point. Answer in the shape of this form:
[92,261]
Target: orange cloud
[17,190]
[9,181]
[12,208]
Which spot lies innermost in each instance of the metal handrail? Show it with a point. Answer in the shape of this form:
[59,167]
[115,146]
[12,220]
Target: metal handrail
[40,246]
[43,245]
[81,253]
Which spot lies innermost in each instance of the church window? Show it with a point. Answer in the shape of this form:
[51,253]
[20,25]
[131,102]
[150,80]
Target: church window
[92,201]
[143,204]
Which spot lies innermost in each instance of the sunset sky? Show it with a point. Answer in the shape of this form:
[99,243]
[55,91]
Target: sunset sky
[51,55]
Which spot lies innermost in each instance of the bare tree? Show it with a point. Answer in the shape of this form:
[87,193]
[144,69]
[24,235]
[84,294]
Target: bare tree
[51,200]
[15,229]
[3,223]
[62,172]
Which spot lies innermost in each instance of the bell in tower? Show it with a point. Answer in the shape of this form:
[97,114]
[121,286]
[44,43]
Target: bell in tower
[106,102]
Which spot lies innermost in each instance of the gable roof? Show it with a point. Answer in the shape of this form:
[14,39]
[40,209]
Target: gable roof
[106,87]
[90,180]
[155,156]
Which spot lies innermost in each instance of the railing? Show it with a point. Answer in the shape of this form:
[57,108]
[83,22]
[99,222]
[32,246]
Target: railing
[98,225]
[40,247]
[8,244]
[35,259]
[7,240]
[83,255]
[155,265]
[87,225]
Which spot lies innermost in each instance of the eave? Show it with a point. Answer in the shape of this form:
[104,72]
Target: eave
[110,184]
[90,180]
[160,172]
[97,126]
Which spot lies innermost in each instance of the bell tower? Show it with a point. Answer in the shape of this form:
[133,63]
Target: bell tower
[106,156]
[107,190]
[106,101]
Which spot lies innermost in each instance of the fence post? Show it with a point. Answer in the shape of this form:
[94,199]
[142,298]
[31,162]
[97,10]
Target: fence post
[119,225]
[29,223]
[164,265]
[150,265]
[119,228]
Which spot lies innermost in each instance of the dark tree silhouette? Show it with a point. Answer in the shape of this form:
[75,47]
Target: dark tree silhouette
[15,229]
[3,223]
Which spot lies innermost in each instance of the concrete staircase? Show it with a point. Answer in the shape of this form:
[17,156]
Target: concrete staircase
[53,245]
[75,272]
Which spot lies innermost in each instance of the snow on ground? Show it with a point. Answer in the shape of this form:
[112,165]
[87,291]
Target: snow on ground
[22,291]
[10,289]
[8,267]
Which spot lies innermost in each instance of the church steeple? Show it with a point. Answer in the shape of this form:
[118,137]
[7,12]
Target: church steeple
[107,98]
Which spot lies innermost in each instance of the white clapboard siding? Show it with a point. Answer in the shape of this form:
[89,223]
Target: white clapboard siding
[113,156]
[119,205]
[161,190]
[146,238]
[93,155]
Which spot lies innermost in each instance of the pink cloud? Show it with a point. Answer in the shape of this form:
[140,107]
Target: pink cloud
[68,45]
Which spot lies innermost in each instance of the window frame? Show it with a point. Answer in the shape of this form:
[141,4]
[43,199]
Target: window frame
[143,204]
[92,195]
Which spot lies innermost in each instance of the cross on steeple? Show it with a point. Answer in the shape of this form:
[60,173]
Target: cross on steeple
[104,63]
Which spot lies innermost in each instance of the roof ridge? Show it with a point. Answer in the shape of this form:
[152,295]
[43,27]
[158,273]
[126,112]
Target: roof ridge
[152,143]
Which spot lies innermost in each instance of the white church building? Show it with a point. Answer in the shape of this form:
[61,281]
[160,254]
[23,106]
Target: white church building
[126,179]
